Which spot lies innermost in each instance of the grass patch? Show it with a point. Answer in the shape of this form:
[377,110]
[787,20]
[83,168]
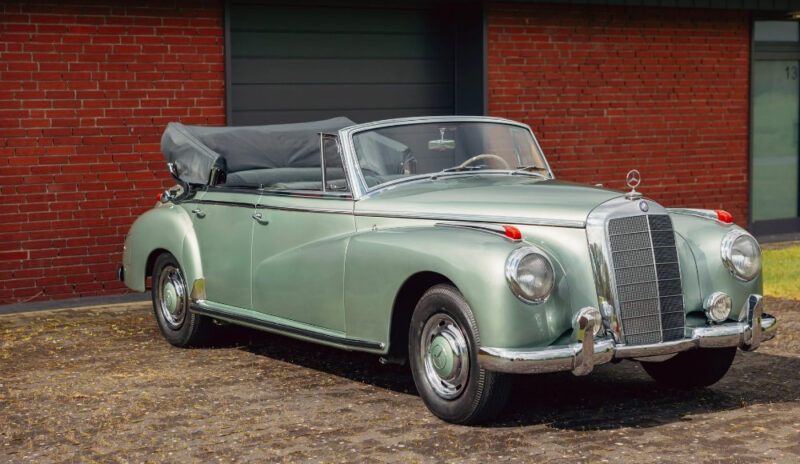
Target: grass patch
[781,269]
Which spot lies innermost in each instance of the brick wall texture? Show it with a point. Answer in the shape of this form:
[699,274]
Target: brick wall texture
[86,90]
[606,90]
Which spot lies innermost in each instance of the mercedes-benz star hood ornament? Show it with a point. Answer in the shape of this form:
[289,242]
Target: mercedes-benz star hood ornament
[633,179]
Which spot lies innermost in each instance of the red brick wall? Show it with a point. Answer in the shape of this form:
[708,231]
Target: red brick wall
[611,89]
[86,89]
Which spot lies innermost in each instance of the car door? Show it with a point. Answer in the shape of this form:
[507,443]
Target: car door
[299,249]
[223,221]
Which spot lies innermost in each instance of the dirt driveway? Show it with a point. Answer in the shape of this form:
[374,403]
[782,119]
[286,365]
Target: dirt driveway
[102,385]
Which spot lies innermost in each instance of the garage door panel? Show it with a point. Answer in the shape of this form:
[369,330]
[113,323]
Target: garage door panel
[330,19]
[340,45]
[344,96]
[251,118]
[342,71]
[309,62]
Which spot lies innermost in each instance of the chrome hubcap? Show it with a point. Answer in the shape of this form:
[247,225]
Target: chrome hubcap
[172,296]
[445,356]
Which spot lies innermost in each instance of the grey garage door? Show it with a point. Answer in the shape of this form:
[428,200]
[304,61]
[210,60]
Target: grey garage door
[293,63]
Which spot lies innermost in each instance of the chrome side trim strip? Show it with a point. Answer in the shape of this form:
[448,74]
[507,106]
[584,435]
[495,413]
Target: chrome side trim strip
[277,208]
[199,308]
[327,195]
[480,227]
[574,224]
[308,209]
[404,215]
[701,213]
[253,190]
[235,204]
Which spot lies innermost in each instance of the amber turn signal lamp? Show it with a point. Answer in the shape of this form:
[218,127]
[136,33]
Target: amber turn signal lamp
[513,233]
[724,216]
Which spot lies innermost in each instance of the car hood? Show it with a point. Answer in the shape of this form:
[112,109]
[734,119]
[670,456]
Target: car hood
[488,198]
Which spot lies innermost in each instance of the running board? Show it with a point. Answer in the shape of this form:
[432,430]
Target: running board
[199,308]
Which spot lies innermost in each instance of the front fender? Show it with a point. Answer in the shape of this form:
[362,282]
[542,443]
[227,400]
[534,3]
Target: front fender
[705,236]
[379,262]
[166,227]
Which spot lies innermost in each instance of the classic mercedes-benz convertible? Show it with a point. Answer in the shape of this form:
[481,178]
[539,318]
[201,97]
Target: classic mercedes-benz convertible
[446,242]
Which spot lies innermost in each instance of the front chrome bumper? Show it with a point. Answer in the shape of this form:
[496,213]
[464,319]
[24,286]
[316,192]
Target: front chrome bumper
[581,357]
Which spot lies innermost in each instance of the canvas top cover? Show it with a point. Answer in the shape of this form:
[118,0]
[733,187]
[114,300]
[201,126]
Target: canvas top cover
[196,150]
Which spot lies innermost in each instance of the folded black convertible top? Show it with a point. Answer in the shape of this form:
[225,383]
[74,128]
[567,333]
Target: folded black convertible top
[196,150]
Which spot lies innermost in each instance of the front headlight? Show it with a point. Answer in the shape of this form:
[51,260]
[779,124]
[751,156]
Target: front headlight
[530,275]
[741,254]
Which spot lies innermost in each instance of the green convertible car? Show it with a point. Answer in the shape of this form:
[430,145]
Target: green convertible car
[446,242]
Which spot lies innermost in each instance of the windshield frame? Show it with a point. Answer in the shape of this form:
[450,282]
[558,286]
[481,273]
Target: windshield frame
[357,177]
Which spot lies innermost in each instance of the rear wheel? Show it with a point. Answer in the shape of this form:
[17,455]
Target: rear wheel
[171,305]
[692,369]
[443,353]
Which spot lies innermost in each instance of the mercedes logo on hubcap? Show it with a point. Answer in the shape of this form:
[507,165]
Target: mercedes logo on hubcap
[438,359]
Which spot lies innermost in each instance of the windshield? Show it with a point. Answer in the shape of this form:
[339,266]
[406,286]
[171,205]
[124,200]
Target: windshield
[411,151]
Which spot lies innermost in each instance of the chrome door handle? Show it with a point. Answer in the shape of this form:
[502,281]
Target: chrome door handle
[260,218]
[199,212]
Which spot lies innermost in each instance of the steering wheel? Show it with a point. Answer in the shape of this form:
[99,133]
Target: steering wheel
[484,156]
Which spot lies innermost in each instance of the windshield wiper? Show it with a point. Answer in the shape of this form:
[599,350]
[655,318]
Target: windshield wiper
[532,169]
[457,169]
[462,168]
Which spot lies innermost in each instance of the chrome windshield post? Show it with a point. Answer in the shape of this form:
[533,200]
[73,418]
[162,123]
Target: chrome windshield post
[322,159]
[352,170]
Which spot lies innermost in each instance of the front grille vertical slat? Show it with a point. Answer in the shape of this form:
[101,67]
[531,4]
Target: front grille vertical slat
[673,319]
[647,275]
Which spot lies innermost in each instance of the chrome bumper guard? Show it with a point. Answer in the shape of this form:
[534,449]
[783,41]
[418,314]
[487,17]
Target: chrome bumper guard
[581,357]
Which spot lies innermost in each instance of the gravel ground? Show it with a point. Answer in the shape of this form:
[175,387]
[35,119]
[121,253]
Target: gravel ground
[100,384]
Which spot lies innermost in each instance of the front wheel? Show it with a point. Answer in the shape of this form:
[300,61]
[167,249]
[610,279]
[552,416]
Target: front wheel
[692,369]
[443,353]
[179,326]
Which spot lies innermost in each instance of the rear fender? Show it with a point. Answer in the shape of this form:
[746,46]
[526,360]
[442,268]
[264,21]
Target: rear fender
[168,228]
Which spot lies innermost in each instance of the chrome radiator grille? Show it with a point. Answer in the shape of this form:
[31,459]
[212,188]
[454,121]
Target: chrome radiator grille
[647,276]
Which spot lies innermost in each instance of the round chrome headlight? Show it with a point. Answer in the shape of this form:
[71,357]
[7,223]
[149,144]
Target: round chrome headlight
[530,275]
[741,254]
